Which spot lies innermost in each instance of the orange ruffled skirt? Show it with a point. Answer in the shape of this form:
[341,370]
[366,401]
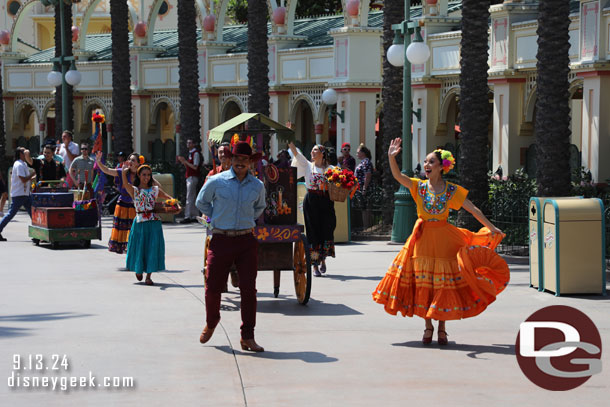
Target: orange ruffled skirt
[444,273]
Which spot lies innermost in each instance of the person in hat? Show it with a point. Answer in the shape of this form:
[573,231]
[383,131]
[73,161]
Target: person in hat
[347,161]
[233,200]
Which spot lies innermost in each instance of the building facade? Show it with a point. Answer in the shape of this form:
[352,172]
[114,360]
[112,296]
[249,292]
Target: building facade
[307,56]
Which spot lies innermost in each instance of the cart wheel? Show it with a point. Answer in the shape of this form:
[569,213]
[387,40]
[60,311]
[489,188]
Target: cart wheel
[36,242]
[54,245]
[205,259]
[302,270]
[86,244]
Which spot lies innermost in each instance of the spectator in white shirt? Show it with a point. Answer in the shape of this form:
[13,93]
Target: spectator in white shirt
[20,188]
[68,150]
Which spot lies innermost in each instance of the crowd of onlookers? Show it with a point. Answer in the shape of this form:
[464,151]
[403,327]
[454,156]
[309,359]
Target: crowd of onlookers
[73,164]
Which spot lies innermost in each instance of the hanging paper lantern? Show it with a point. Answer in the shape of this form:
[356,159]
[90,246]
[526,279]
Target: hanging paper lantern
[5,37]
[209,23]
[75,32]
[431,2]
[140,29]
[353,8]
[279,15]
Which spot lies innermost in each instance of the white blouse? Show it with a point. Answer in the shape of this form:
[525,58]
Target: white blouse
[314,176]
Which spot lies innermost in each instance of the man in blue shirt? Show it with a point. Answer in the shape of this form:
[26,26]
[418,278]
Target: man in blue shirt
[233,200]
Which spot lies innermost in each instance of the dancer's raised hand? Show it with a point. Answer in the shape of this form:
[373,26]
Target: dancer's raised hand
[395,147]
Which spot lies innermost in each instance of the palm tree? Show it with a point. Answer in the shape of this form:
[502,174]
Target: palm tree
[258,60]
[189,74]
[552,103]
[58,101]
[393,13]
[4,163]
[474,105]
[121,76]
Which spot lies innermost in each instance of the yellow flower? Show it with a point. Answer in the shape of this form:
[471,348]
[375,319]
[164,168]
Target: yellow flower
[338,184]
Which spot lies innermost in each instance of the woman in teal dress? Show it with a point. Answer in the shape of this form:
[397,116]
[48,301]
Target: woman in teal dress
[146,247]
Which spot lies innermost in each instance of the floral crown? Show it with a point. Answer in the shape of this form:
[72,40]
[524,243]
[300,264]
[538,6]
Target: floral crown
[447,160]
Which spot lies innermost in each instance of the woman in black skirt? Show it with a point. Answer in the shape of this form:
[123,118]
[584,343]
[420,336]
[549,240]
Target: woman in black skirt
[318,209]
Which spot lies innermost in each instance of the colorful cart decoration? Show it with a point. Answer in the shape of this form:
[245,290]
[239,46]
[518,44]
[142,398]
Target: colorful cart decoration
[282,241]
[57,217]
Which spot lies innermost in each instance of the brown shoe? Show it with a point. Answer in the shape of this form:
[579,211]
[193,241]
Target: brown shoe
[442,340]
[139,276]
[251,345]
[206,334]
[234,278]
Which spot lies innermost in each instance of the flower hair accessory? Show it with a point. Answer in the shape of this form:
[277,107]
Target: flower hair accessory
[447,160]
[141,159]
[143,167]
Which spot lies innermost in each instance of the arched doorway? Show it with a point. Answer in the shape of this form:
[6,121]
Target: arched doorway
[230,111]
[28,125]
[160,142]
[304,127]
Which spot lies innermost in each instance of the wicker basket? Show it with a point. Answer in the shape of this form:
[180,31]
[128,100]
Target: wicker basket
[160,207]
[336,193]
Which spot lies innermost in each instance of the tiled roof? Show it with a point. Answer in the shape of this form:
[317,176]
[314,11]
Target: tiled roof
[315,29]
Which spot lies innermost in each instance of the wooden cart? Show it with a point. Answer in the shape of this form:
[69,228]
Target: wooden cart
[56,224]
[282,245]
[84,236]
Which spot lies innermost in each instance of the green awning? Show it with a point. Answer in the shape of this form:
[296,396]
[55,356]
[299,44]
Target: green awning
[225,131]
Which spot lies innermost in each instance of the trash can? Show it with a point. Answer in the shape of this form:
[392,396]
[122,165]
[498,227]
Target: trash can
[167,184]
[574,246]
[535,243]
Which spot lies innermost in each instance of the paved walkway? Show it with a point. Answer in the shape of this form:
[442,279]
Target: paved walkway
[339,350]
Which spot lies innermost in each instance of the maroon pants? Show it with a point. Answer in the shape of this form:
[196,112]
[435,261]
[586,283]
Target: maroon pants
[224,251]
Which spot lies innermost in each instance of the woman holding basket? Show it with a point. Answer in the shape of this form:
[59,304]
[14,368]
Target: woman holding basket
[318,209]
[146,247]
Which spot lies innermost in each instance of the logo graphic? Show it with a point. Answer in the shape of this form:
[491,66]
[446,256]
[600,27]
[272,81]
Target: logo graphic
[559,348]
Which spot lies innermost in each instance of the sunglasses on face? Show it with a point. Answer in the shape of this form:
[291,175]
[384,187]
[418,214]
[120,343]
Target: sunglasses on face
[346,149]
[84,148]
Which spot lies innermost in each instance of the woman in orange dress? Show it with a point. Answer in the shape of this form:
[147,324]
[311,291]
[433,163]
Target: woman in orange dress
[442,272]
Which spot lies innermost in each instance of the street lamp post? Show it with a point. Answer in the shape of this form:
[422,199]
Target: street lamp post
[68,75]
[417,52]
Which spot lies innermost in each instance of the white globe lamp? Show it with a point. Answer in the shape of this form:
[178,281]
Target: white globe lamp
[73,77]
[396,55]
[418,53]
[54,78]
[330,97]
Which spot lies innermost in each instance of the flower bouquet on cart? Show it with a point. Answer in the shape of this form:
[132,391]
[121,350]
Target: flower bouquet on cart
[170,206]
[341,183]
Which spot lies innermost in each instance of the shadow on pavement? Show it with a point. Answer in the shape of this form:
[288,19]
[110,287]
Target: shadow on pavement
[347,278]
[42,317]
[8,332]
[308,357]
[473,350]
[290,306]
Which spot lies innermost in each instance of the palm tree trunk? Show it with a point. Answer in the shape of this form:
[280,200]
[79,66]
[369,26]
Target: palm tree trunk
[58,101]
[393,13]
[121,77]
[189,74]
[474,106]
[4,162]
[552,103]
[258,59]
